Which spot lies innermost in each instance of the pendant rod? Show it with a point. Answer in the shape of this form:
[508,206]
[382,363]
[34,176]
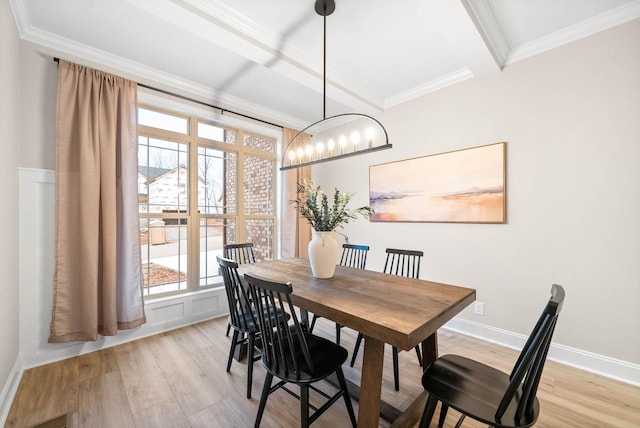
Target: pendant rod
[324,72]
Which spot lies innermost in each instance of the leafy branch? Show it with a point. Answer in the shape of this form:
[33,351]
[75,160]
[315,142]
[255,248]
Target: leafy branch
[313,204]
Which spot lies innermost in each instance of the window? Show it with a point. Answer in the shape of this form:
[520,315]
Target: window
[200,186]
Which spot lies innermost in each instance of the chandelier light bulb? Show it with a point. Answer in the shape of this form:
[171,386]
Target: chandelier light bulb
[355,139]
[370,134]
[330,145]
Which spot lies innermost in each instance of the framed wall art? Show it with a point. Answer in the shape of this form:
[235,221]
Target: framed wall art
[462,186]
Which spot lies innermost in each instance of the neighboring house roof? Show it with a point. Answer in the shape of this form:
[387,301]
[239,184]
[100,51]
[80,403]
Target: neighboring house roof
[152,172]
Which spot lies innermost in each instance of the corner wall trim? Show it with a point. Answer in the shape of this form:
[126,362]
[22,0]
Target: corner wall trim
[599,364]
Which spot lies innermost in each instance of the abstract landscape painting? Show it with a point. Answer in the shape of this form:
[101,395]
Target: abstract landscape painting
[463,186]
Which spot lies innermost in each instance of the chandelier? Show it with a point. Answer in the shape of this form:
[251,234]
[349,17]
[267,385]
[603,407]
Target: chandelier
[333,137]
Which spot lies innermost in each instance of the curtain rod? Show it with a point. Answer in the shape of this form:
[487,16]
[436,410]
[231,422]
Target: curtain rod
[222,110]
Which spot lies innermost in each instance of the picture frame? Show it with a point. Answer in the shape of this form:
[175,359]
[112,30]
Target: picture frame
[460,186]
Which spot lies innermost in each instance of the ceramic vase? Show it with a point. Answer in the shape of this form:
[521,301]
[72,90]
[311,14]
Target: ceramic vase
[323,254]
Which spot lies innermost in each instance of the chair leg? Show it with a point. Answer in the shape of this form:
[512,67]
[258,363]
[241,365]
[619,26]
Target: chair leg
[355,349]
[263,398]
[347,398]
[228,329]
[396,370]
[250,352]
[304,406]
[338,328]
[234,342]
[429,410]
[443,415]
[313,323]
[419,354]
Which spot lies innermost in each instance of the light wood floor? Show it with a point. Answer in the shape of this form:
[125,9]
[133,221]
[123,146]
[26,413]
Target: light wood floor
[178,379]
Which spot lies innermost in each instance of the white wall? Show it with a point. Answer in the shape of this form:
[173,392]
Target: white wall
[9,160]
[571,120]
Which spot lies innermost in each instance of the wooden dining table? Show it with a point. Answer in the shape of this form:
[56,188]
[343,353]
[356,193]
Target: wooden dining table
[403,312]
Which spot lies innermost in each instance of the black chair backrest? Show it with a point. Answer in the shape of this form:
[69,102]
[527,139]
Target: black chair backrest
[282,342]
[532,358]
[240,310]
[241,253]
[354,256]
[403,262]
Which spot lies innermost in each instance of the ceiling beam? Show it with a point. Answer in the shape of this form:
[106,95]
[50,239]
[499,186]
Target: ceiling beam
[473,32]
[218,23]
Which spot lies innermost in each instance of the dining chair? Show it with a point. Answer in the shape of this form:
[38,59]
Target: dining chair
[354,256]
[401,263]
[293,355]
[242,317]
[489,395]
[240,253]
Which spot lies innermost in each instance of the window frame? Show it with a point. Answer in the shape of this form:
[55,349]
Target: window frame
[193,216]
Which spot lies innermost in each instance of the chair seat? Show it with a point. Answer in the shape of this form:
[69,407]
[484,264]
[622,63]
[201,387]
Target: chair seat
[326,357]
[246,322]
[474,389]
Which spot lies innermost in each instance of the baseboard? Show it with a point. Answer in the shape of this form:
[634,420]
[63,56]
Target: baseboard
[599,364]
[9,389]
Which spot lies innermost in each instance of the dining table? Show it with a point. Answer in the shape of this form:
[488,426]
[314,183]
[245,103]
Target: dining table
[403,312]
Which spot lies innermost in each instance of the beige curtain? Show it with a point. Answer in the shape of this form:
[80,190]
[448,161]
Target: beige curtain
[98,275]
[295,230]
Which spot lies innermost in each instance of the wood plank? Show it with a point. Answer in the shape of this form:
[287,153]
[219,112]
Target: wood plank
[143,381]
[164,414]
[103,402]
[44,393]
[193,389]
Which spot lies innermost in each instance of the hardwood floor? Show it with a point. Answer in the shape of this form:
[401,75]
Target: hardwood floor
[178,379]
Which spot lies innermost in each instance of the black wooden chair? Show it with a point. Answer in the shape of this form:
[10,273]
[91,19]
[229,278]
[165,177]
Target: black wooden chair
[401,263]
[242,318]
[293,355]
[489,395]
[354,256]
[240,253]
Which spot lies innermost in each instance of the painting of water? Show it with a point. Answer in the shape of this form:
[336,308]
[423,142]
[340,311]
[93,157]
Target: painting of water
[462,186]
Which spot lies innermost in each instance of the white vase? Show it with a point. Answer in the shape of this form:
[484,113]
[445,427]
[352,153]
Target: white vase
[323,254]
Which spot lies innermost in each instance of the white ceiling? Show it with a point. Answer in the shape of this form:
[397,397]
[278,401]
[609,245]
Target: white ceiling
[265,57]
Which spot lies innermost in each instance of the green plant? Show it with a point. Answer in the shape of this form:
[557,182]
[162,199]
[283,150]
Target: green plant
[313,204]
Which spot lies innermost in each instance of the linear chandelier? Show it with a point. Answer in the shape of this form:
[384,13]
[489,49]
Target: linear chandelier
[334,137]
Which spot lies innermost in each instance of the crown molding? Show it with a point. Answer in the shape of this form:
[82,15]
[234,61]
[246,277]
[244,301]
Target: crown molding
[594,25]
[428,87]
[91,57]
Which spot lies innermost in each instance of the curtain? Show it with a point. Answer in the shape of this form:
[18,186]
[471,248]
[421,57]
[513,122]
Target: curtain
[295,231]
[97,285]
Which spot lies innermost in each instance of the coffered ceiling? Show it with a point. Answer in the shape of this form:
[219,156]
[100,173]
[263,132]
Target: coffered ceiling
[266,57]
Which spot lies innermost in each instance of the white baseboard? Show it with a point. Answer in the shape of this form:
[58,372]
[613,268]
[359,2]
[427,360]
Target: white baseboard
[162,315]
[599,364]
[9,390]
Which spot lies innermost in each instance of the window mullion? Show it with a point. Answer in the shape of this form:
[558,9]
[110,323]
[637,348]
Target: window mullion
[193,222]
[241,227]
